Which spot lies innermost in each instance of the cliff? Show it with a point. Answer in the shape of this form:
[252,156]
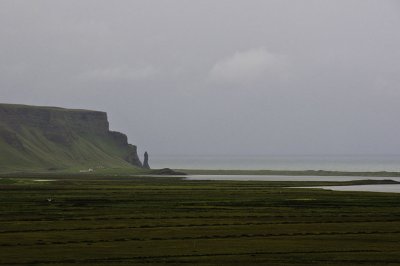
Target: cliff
[52,138]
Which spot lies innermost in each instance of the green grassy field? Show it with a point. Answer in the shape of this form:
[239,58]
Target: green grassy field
[168,221]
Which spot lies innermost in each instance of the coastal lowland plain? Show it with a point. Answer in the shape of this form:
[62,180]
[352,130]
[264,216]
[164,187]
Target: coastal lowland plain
[133,220]
[199,133]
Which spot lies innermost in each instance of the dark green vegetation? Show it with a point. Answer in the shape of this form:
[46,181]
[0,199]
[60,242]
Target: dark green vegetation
[290,173]
[168,221]
[51,139]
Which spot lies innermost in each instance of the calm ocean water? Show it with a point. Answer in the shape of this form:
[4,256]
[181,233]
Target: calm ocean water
[298,162]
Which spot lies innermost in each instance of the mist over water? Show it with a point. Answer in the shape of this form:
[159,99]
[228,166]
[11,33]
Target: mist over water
[279,162]
[366,188]
[289,178]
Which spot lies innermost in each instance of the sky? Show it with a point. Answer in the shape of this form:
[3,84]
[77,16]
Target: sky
[236,77]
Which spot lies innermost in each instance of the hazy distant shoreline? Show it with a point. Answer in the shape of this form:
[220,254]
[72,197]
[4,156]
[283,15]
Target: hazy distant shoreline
[341,163]
[290,172]
[129,172]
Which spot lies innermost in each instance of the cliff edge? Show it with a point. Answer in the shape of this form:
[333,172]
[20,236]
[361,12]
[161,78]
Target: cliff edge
[52,138]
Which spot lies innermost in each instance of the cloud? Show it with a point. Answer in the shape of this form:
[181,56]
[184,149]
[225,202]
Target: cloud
[247,66]
[121,73]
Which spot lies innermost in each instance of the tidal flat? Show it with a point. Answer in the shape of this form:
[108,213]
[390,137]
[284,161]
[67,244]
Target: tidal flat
[91,220]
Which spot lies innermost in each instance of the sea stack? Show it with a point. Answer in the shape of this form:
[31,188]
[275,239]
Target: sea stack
[146,161]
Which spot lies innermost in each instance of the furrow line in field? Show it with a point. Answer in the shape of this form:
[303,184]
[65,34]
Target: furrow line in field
[205,237]
[196,217]
[185,225]
[133,258]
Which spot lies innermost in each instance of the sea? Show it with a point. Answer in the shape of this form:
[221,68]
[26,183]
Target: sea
[279,162]
[361,163]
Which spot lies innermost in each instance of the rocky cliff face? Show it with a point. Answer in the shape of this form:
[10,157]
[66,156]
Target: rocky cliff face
[49,118]
[61,138]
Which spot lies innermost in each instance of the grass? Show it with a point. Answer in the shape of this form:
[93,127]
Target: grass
[100,220]
[47,156]
[51,139]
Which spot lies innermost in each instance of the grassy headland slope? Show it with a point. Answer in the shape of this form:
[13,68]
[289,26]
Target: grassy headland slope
[36,138]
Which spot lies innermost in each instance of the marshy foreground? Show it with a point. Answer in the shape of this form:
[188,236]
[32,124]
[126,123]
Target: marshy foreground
[165,220]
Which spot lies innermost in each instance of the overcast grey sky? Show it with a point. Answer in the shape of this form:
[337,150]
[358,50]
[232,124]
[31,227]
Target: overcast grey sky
[214,76]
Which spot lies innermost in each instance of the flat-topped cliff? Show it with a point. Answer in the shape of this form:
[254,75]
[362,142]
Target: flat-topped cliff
[53,138]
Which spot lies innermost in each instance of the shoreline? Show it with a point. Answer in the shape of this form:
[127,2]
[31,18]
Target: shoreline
[185,172]
[290,172]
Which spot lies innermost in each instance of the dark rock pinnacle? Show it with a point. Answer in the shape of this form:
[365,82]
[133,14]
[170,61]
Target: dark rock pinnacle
[146,161]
